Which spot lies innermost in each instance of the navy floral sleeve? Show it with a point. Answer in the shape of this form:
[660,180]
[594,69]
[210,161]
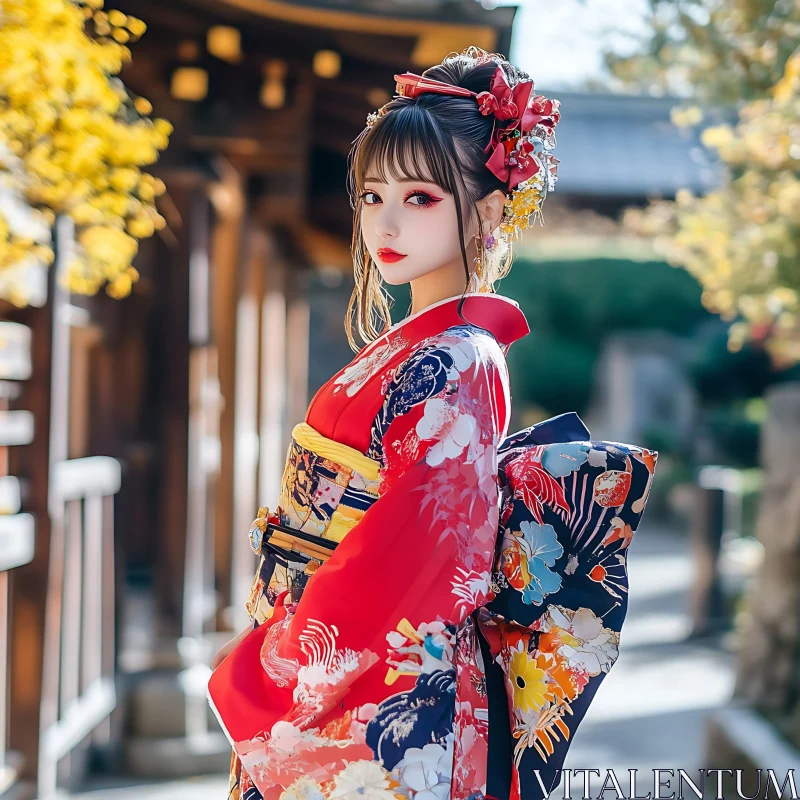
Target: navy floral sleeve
[551,633]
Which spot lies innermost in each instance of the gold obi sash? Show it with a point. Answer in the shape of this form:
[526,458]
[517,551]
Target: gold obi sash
[326,489]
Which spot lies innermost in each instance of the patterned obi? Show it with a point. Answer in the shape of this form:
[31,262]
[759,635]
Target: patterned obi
[326,489]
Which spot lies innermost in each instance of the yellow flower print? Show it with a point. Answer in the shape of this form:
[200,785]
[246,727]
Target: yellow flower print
[528,682]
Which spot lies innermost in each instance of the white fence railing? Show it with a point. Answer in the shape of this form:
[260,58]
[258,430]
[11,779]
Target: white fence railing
[78,692]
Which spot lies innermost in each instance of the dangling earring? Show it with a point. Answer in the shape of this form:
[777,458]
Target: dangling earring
[483,243]
[478,262]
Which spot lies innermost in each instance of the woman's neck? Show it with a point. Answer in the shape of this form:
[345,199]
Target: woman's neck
[447,281]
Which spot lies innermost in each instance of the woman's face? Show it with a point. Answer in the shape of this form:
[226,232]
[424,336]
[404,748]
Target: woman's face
[410,228]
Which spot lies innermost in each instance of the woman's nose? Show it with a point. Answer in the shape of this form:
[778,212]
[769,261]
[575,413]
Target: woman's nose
[386,226]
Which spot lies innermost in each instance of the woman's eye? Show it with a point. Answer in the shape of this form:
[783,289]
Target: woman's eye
[370,198]
[420,199]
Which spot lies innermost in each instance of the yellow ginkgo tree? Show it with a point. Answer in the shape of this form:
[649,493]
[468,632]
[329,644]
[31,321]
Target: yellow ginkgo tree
[74,142]
[742,240]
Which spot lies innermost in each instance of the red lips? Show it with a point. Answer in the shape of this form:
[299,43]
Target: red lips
[389,256]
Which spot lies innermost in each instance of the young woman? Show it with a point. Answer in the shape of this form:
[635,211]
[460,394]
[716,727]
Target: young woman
[386,672]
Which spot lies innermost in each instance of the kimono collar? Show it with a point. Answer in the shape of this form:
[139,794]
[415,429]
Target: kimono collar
[496,314]
[499,315]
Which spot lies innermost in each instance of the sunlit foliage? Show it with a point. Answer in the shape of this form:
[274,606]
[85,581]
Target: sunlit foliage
[742,241]
[74,141]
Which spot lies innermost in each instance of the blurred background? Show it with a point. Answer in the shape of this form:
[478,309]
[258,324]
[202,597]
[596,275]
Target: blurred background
[174,273]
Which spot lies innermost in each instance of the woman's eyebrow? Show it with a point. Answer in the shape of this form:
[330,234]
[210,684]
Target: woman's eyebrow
[400,180]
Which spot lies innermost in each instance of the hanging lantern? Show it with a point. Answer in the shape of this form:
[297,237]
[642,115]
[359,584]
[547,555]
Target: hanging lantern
[273,90]
[327,64]
[225,43]
[189,83]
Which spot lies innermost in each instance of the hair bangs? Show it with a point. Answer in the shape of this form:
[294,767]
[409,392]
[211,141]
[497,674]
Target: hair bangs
[406,145]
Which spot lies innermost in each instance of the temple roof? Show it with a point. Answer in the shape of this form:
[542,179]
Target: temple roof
[615,145]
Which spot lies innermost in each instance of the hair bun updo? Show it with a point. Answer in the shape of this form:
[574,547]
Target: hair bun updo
[433,135]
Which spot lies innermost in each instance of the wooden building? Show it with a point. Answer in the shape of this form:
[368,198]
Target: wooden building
[160,421]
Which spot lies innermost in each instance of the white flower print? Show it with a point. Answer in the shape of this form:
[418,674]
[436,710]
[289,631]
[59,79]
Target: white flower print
[288,738]
[362,780]
[463,351]
[427,771]
[303,789]
[327,674]
[451,429]
[329,671]
[471,587]
[587,644]
[485,459]
[355,375]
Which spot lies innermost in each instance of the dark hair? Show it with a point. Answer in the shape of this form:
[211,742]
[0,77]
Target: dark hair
[434,138]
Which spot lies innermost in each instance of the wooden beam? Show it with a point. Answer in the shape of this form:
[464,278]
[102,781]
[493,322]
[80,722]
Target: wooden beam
[240,565]
[285,29]
[308,15]
[173,410]
[229,199]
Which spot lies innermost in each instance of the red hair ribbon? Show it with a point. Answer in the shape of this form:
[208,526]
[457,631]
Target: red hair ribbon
[510,160]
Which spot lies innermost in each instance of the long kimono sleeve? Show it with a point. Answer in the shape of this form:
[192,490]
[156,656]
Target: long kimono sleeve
[360,677]
[569,512]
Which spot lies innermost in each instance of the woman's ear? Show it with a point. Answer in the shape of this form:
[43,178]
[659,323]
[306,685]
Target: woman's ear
[490,209]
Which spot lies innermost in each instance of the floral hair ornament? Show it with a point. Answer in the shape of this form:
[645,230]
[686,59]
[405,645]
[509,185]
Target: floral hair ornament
[519,150]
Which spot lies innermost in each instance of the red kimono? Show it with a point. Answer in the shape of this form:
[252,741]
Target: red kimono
[375,682]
